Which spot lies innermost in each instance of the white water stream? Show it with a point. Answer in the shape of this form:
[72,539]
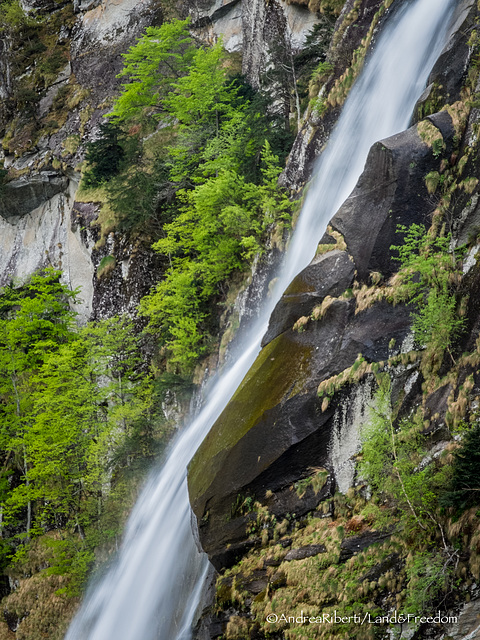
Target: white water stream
[153,589]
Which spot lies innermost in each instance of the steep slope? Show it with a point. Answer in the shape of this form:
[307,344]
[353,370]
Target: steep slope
[57,80]
[290,516]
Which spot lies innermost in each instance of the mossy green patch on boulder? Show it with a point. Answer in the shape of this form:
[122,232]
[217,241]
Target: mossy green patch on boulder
[280,372]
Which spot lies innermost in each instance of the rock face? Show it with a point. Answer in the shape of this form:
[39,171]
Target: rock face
[445,82]
[327,275]
[42,236]
[391,191]
[40,222]
[23,195]
[276,427]
[254,27]
[351,28]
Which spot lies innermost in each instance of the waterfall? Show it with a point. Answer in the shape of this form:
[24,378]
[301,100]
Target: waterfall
[153,589]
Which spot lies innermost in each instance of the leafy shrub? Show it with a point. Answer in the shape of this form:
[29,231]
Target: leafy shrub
[429,277]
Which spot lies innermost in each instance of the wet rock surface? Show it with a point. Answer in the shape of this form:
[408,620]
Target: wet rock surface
[447,76]
[274,427]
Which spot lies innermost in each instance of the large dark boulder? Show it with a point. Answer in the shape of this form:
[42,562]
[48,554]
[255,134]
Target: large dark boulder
[274,429]
[392,191]
[326,275]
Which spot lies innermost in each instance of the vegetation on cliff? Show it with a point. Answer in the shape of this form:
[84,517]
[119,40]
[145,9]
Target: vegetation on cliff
[212,187]
[188,161]
[404,538]
[79,419]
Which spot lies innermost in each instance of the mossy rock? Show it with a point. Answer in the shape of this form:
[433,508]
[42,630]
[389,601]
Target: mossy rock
[274,428]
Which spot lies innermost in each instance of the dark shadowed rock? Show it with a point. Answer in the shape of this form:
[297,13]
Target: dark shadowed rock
[352,546]
[25,194]
[390,562]
[391,191]
[446,79]
[274,429]
[327,275]
[443,121]
[305,552]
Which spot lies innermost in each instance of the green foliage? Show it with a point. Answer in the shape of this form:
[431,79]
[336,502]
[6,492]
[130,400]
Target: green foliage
[322,71]
[104,156]
[159,58]
[70,557]
[376,437]
[208,190]
[143,195]
[464,489]
[429,276]
[221,123]
[107,264]
[393,462]
[12,16]
[217,231]
[201,95]
[76,408]
[429,578]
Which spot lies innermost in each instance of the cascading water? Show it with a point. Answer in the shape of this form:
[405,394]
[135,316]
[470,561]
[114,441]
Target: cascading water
[153,589]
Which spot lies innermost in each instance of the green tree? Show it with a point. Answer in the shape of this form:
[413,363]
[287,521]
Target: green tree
[218,230]
[401,475]
[104,156]
[159,58]
[35,320]
[391,462]
[464,488]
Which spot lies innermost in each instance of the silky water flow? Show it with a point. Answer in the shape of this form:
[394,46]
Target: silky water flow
[153,589]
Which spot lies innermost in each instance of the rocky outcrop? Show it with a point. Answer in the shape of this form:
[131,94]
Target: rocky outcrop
[327,275]
[43,237]
[41,224]
[351,29]
[447,77]
[25,194]
[255,28]
[276,427]
[392,191]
